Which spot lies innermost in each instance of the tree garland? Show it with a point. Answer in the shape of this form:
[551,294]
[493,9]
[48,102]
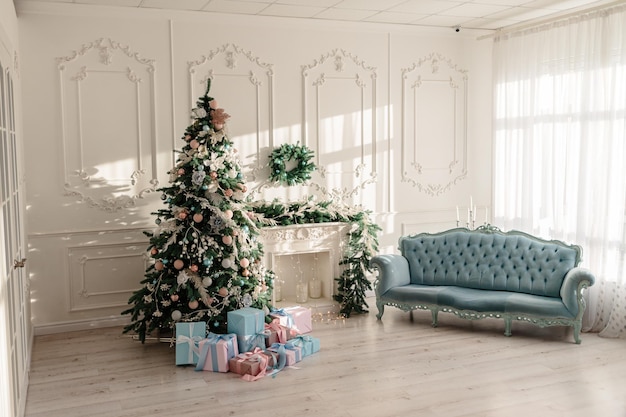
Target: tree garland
[300,173]
[362,242]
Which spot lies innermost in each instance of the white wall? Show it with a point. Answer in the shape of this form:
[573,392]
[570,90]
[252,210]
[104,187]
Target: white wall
[384,99]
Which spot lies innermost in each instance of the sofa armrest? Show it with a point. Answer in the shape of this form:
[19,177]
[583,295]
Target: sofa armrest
[571,291]
[393,271]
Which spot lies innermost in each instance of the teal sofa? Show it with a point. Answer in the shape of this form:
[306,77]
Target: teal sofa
[485,273]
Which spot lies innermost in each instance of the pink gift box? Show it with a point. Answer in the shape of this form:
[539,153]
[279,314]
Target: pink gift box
[297,318]
[216,351]
[250,365]
[293,354]
[278,333]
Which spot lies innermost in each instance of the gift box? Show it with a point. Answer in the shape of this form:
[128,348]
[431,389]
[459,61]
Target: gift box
[292,352]
[297,318]
[188,336]
[250,365]
[249,325]
[278,333]
[309,344]
[216,351]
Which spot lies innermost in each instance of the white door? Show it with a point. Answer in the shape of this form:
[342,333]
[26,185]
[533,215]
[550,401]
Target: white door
[14,294]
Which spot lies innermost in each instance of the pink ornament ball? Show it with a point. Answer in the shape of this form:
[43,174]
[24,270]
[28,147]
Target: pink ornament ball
[158,265]
[228,214]
[194,144]
[198,217]
[228,192]
[179,264]
[245,273]
[182,215]
[193,304]
[174,297]
[154,251]
[244,262]
[213,104]
[181,171]
[218,126]
[194,268]
[213,174]
[223,291]
[228,240]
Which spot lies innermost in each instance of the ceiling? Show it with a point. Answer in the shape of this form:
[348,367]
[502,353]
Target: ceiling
[468,14]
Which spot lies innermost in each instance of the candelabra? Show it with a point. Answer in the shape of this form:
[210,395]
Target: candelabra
[471,216]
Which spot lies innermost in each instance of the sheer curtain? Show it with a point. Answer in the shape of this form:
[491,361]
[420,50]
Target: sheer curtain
[560,146]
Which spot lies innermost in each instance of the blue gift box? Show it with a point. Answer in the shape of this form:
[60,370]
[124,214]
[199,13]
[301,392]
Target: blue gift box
[249,325]
[188,336]
[309,344]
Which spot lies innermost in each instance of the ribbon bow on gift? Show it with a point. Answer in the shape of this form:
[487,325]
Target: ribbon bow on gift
[193,344]
[254,356]
[212,339]
[281,331]
[282,312]
[305,343]
[280,357]
[253,341]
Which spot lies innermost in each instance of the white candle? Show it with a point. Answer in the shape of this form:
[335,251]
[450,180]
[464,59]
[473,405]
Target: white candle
[474,214]
[457,214]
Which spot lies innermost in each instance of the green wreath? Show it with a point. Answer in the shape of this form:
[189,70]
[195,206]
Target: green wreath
[297,175]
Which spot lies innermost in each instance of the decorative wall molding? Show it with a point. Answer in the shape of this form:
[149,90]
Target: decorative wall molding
[434,116]
[100,274]
[358,79]
[230,60]
[83,155]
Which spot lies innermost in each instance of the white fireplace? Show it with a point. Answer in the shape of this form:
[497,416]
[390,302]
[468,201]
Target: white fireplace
[305,259]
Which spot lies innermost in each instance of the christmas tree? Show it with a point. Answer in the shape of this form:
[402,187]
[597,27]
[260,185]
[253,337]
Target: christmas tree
[205,252]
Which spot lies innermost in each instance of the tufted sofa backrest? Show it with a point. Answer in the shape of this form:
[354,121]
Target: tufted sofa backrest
[488,259]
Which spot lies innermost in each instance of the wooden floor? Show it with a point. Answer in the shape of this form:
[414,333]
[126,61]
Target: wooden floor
[393,367]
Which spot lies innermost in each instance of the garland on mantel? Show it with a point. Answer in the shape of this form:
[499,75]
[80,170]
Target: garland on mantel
[362,242]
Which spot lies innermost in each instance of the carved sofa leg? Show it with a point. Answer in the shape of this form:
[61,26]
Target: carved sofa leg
[507,326]
[577,329]
[381,309]
[434,312]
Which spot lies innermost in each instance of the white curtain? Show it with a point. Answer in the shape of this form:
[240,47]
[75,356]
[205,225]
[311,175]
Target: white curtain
[560,146]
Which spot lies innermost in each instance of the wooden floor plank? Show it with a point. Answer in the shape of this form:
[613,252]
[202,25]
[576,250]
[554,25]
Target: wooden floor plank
[366,367]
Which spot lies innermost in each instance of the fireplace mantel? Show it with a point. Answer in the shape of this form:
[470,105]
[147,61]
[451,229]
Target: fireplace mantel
[317,249]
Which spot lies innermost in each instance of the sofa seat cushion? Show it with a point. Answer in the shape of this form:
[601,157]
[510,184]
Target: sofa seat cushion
[472,299]
[415,293]
[483,301]
[537,306]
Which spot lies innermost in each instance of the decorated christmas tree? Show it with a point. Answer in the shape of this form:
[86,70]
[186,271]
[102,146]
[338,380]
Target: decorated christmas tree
[205,252]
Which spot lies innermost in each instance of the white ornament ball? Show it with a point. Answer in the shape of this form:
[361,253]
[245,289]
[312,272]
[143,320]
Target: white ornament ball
[193,304]
[226,263]
[207,282]
[176,315]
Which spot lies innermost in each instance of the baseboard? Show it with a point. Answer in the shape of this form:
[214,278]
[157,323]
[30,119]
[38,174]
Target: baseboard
[78,325]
